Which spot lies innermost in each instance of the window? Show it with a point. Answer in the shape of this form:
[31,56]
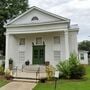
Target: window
[56,55]
[82,56]
[57,40]
[34,18]
[22,56]
[39,40]
[22,41]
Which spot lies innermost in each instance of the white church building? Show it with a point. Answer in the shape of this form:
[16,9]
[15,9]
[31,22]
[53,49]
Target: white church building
[39,36]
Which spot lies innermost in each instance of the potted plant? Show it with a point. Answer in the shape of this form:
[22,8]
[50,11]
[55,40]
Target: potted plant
[27,62]
[10,63]
[47,63]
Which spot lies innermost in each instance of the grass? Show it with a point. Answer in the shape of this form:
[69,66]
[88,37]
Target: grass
[3,81]
[67,84]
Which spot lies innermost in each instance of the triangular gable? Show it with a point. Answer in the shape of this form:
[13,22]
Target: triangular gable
[42,15]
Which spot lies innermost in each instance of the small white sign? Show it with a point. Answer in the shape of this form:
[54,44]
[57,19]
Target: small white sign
[56,74]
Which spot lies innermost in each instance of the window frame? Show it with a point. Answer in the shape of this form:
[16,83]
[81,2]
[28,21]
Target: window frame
[40,42]
[56,39]
[22,41]
[57,55]
[34,18]
[82,56]
[21,56]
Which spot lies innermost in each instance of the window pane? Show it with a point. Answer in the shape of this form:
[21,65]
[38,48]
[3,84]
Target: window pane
[82,56]
[35,18]
[57,40]
[22,56]
[22,41]
[39,40]
[57,55]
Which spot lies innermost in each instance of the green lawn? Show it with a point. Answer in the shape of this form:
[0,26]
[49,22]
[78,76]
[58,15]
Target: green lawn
[3,81]
[67,84]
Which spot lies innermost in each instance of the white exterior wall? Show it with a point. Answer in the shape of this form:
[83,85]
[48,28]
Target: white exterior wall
[14,48]
[11,49]
[41,16]
[48,38]
[73,45]
[85,60]
[38,28]
[46,27]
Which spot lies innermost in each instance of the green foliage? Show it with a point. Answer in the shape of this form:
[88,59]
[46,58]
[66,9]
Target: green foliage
[9,9]
[84,45]
[8,75]
[1,70]
[64,67]
[3,64]
[50,72]
[77,72]
[73,61]
[71,68]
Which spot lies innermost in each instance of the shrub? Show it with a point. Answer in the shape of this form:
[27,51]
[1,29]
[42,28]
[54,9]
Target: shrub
[8,75]
[3,64]
[64,68]
[50,72]
[1,70]
[77,72]
[71,68]
[73,61]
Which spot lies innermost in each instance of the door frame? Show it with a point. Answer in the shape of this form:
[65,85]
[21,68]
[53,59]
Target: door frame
[33,53]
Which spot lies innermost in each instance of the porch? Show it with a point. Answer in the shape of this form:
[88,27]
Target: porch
[31,73]
[21,53]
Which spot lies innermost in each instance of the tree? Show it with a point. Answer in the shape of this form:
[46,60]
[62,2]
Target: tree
[84,45]
[9,9]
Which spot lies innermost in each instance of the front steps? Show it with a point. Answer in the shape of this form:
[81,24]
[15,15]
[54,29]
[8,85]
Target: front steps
[34,68]
[28,74]
[18,79]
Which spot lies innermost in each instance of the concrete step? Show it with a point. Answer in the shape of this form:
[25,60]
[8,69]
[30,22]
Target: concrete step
[25,80]
[34,68]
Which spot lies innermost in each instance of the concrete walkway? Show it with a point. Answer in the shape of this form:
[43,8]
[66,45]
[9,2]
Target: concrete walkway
[18,86]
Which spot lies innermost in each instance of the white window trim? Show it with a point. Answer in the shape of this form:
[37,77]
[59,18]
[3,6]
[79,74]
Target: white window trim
[55,41]
[21,56]
[20,41]
[41,41]
[58,56]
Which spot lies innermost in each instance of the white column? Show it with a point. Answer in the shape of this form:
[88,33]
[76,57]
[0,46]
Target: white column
[6,52]
[66,45]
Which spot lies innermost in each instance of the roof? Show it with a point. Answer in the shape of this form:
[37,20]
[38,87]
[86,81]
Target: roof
[41,10]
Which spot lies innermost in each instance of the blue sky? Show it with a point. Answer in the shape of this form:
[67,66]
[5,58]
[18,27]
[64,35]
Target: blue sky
[76,10]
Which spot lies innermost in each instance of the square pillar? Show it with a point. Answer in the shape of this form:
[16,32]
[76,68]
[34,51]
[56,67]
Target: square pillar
[66,45]
[6,52]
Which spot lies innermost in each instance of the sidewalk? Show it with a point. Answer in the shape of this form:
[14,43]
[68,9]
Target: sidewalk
[18,86]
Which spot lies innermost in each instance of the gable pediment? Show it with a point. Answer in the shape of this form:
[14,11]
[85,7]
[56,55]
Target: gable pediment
[36,15]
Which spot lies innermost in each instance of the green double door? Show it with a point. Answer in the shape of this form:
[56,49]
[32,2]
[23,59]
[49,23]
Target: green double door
[39,54]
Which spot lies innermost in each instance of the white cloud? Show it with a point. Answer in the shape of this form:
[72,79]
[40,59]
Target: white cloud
[76,10]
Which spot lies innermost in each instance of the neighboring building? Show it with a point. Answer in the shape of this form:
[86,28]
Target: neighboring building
[39,36]
[83,57]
